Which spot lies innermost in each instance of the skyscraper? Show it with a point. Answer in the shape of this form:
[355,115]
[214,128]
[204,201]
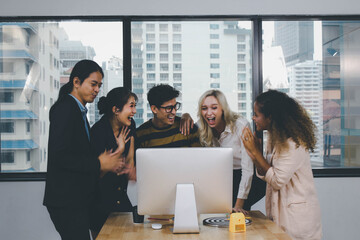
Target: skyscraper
[217,57]
[296,39]
[29,83]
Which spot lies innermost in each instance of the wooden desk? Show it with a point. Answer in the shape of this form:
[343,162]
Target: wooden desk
[120,226]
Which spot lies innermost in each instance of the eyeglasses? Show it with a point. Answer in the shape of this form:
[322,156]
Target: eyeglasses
[169,109]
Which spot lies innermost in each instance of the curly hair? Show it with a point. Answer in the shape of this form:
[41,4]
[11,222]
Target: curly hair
[288,120]
[205,132]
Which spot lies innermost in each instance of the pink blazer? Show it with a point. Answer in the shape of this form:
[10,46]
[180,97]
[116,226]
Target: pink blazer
[291,199]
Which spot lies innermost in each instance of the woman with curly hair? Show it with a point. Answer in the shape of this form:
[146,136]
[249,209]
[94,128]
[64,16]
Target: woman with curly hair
[291,199]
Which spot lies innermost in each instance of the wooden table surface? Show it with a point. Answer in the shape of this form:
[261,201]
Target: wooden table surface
[120,226]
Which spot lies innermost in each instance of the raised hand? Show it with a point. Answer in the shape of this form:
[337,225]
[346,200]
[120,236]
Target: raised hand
[122,139]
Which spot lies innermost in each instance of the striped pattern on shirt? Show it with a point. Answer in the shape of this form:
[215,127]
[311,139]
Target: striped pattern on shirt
[148,136]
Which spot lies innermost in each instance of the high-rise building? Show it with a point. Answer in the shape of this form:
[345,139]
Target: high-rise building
[305,81]
[29,83]
[217,57]
[70,53]
[296,39]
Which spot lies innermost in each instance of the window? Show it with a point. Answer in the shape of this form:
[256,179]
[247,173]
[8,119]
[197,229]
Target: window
[177,67]
[164,67]
[241,77]
[241,57]
[214,46]
[6,97]
[242,106]
[28,156]
[27,68]
[241,67]
[323,81]
[34,65]
[150,85]
[164,77]
[242,86]
[214,26]
[28,126]
[164,57]
[176,47]
[150,57]
[164,37]
[317,72]
[7,127]
[176,27]
[176,37]
[186,67]
[214,65]
[241,47]
[150,27]
[177,57]
[163,27]
[241,38]
[177,77]
[150,47]
[214,85]
[7,157]
[150,67]
[164,47]
[150,76]
[6,67]
[214,75]
[178,86]
[150,37]
[241,96]
[6,35]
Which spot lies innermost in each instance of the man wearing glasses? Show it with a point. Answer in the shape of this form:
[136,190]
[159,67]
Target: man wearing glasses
[163,129]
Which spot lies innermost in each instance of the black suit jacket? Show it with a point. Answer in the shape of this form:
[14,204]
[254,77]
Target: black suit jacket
[112,189]
[73,171]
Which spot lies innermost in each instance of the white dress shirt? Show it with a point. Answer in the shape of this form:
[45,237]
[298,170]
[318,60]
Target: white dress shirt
[241,159]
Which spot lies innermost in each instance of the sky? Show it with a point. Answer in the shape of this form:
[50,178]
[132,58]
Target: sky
[104,37]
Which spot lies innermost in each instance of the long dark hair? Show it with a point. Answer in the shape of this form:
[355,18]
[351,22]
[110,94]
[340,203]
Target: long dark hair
[116,97]
[82,70]
[288,120]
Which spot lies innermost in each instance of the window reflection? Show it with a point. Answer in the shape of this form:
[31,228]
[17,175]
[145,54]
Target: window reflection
[36,59]
[315,62]
[192,66]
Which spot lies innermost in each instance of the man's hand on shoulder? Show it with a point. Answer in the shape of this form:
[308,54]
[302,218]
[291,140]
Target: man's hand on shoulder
[186,124]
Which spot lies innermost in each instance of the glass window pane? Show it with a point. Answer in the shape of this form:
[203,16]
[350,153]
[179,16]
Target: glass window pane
[36,59]
[315,62]
[196,63]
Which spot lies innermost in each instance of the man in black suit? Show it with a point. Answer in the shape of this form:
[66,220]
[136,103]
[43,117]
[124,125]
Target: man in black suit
[73,171]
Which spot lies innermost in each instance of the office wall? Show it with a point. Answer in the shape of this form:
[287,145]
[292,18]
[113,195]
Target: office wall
[171,7]
[22,215]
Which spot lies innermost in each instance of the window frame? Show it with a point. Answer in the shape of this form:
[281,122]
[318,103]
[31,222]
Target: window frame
[256,62]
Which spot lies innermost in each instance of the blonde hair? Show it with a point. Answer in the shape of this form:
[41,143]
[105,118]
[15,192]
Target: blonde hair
[230,117]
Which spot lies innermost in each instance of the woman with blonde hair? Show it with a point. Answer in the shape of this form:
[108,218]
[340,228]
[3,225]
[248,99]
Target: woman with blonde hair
[291,199]
[221,127]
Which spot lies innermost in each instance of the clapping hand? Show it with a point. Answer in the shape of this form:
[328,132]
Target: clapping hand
[251,143]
